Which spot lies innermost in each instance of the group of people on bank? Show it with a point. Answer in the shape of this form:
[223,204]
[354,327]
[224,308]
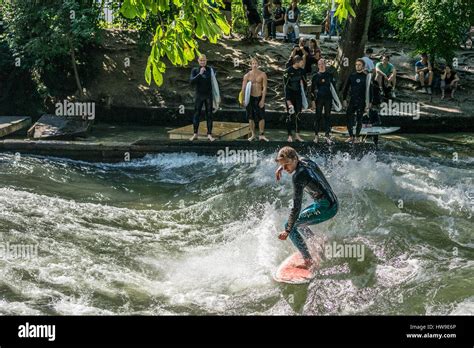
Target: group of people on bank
[306,77]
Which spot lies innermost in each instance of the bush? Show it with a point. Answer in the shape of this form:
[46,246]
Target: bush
[433,26]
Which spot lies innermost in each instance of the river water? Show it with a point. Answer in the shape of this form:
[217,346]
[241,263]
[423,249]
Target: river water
[186,234]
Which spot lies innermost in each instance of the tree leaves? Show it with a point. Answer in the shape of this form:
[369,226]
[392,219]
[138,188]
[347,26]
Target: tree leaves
[181,24]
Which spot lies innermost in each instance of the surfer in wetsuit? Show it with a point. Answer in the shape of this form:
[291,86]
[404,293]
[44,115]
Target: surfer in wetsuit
[256,106]
[357,85]
[307,176]
[293,78]
[201,78]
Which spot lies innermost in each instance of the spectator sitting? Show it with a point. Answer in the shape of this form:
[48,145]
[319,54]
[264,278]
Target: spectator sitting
[449,81]
[292,19]
[386,76]
[267,18]
[255,23]
[369,64]
[424,73]
[278,18]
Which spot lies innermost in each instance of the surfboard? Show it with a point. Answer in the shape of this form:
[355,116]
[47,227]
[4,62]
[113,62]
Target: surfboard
[304,100]
[289,273]
[366,130]
[244,98]
[216,96]
[336,103]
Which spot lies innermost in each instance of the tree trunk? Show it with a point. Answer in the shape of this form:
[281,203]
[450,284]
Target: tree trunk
[353,41]
[74,66]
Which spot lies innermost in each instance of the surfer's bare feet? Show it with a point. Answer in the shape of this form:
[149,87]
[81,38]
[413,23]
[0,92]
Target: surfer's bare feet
[209,136]
[194,137]
[356,140]
[308,264]
[263,138]
[252,138]
[290,139]
[297,137]
[328,140]
[316,139]
[350,140]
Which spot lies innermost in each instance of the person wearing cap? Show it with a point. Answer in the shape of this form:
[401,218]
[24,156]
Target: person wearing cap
[307,176]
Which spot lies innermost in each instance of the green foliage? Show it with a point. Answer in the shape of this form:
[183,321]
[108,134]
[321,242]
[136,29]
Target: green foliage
[433,26]
[43,33]
[380,25]
[179,24]
[16,85]
[239,20]
[313,12]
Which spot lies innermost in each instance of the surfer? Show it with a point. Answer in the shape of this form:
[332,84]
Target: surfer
[202,77]
[307,176]
[256,105]
[322,98]
[359,101]
[293,80]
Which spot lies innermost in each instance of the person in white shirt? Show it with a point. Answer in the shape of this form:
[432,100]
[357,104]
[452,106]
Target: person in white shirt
[292,20]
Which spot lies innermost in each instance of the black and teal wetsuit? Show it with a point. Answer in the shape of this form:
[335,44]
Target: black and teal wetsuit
[309,177]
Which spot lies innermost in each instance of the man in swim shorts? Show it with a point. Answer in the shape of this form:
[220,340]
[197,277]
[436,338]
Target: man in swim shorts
[256,106]
[307,176]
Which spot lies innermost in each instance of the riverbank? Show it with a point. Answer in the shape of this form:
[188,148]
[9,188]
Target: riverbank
[110,143]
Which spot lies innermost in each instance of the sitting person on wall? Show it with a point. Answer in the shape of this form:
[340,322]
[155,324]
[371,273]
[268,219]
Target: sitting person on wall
[292,20]
[278,18]
[449,81]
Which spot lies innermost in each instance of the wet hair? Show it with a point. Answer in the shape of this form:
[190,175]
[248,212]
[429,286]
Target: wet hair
[315,42]
[386,55]
[369,50]
[360,60]
[297,59]
[424,54]
[287,152]
[253,58]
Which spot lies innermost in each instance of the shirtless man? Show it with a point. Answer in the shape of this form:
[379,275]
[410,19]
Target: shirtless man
[256,106]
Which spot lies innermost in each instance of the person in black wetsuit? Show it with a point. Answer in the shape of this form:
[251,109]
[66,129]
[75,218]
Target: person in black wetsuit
[307,176]
[322,99]
[201,78]
[292,79]
[357,85]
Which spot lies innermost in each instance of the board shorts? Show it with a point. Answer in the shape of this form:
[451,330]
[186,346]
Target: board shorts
[254,111]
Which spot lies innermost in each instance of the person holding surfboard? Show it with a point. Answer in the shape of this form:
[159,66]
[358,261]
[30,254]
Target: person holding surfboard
[255,102]
[203,77]
[361,98]
[322,99]
[295,98]
[307,176]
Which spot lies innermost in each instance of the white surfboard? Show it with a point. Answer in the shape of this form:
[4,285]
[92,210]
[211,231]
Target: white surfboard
[216,95]
[336,103]
[366,130]
[303,97]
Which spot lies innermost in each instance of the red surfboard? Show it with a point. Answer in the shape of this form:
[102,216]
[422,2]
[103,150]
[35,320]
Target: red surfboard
[288,272]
